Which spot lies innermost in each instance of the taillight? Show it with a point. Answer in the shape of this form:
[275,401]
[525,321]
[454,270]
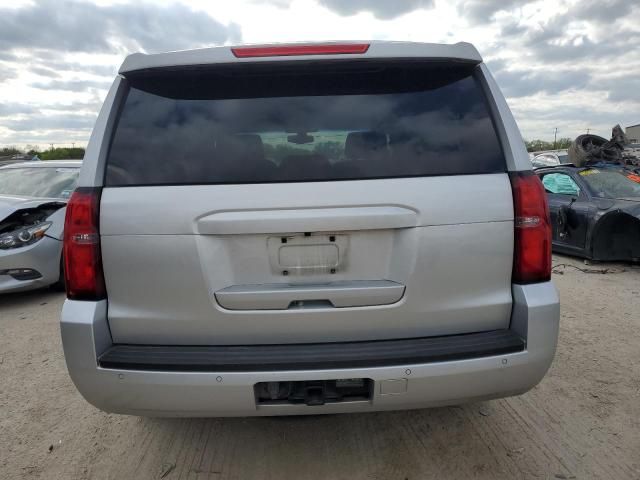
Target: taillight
[532,248]
[82,259]
[287,50]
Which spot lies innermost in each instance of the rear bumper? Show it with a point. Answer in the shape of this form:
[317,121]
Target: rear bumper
[311,356]
[227,392]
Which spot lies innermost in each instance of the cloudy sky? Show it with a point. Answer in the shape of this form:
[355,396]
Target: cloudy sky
[571,64]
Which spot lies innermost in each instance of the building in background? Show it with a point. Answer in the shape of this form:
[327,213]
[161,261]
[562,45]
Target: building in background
[633,133]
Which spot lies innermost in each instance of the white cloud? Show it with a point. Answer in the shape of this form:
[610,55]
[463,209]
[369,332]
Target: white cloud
[573,64]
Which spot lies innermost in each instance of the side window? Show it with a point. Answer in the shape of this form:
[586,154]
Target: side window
[560,183]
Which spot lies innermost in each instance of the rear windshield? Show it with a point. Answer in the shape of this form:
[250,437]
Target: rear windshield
[233,125]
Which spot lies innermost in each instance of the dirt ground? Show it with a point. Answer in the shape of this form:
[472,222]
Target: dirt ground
[582,421]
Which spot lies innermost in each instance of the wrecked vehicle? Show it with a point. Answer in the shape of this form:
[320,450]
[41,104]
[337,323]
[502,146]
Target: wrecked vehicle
[595,211]
[550,159]
[593,149]
[33,197]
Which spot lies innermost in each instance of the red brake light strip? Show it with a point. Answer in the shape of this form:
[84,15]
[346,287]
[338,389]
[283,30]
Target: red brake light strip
[288,50]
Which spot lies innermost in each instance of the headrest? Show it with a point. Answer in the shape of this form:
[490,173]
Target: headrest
[252,144]
[359,144]
[245,144]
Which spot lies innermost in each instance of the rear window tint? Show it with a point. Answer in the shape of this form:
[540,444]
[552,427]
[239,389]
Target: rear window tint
[312,124]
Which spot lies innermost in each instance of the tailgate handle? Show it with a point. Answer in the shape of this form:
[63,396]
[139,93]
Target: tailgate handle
[306,220]
[284,296]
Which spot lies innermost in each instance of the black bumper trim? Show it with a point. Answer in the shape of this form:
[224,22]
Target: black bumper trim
[310,356]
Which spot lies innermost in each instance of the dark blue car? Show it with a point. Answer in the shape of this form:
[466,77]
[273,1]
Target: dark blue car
[595,211]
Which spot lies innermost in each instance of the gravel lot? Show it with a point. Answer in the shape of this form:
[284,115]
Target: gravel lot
[582,421]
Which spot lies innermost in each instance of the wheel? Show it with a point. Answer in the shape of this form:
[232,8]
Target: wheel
[580,149]
[587,148]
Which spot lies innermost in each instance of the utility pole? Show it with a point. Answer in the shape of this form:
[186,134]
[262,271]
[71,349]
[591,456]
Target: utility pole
[51,146]
[588,130]
[555,138]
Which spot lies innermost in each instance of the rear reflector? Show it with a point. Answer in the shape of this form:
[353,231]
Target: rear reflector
[532,248]
[287,50]
[82,258]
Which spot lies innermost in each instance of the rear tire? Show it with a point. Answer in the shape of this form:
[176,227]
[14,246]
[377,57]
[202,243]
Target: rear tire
[588,147]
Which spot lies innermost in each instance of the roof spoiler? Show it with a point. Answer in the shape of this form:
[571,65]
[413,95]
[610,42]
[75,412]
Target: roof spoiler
[459,52]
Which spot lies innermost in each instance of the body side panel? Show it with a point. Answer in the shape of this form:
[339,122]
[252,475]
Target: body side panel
[509,134]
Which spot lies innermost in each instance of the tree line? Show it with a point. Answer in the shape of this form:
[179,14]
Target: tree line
[57,153]
[65,153]
[539,145]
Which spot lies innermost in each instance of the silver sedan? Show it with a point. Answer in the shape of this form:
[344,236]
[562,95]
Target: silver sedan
[33,199]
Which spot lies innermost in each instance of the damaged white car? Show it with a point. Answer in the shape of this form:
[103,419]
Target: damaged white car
[33,199]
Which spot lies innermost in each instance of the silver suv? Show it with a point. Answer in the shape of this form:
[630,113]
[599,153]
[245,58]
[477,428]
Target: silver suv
[307,228]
